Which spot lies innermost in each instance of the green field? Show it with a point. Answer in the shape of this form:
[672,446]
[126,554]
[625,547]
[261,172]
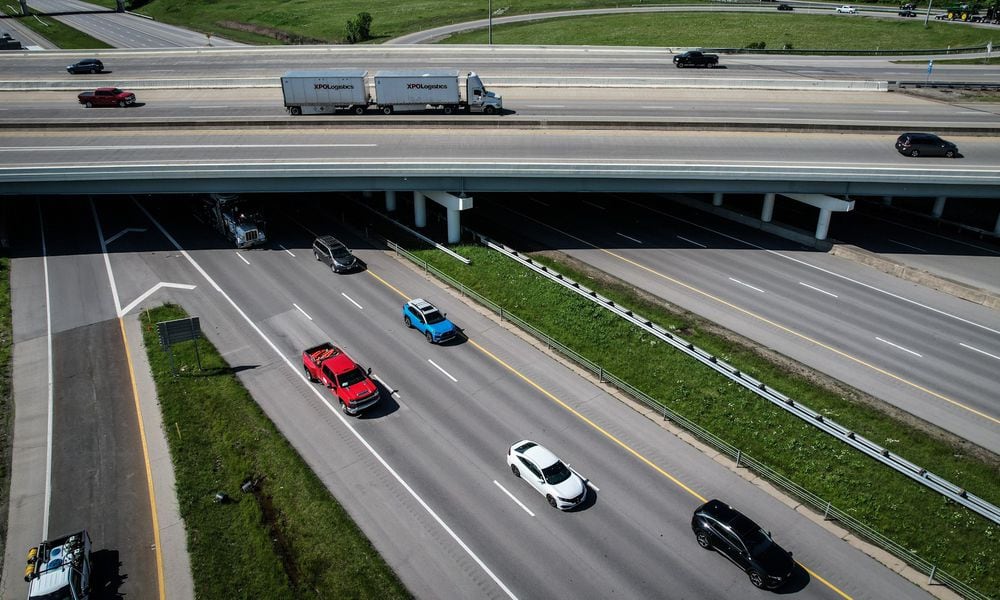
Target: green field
[953,538]
[737,30]
[291,539]
[63,36]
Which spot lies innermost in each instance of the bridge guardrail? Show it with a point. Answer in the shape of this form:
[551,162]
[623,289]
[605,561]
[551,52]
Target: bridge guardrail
[814,502]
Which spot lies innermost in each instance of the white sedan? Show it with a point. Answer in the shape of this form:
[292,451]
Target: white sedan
[848,9]
[560,485]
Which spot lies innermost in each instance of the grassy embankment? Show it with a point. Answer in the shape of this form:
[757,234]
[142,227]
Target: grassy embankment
[6,396]
[315,21]
[63,36]
[954,539]
[291,539]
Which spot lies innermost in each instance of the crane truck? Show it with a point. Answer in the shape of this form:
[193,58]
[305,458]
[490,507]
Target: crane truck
[59,569]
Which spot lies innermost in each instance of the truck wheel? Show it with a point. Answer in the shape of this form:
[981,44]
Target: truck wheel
[490,110]
[343,407]
[386,110]
[359,110]
[89,104]
[448,109]
[309,375]
[295,110]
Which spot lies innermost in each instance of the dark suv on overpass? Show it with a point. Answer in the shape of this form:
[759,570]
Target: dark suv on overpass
[87,65]
[925,144]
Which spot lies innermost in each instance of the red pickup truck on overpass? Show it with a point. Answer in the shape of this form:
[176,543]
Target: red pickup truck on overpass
[107,97]
[351,385]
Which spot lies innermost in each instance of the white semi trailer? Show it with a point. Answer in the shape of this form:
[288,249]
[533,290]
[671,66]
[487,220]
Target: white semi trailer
[314,92]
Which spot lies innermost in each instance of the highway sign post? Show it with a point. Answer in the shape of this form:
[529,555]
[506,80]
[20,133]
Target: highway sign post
[176,331]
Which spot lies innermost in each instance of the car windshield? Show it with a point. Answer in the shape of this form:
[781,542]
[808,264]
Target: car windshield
[557,472]
[355,375]
[340,252]
[433,317]
[757,541]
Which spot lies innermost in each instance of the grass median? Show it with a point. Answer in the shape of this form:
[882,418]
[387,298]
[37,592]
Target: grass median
[290,538]
[949,536]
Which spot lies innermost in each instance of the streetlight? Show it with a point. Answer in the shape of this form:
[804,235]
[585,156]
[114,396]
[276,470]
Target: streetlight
[490,28]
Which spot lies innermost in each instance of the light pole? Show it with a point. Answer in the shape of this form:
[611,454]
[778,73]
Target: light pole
[928,15]
[490,27]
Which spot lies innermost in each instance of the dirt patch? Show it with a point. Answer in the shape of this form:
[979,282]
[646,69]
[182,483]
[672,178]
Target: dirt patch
[786,363]
[953,96]
[271,32]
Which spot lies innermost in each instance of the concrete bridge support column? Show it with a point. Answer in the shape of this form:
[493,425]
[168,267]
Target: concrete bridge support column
[717,199]
[419,209]
[390,200]
[768,211]
[453,206]
[938,209]
[24,7]
[823,223]
[454,225]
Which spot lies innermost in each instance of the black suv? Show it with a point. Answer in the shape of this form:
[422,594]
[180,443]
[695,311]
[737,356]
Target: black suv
[720,526]
[87,65]
[333,253]
[925,144]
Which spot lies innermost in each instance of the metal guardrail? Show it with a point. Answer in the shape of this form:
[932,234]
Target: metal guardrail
[819,505]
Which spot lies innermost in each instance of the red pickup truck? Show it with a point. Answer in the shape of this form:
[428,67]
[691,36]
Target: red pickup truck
[107,97]
[351,384]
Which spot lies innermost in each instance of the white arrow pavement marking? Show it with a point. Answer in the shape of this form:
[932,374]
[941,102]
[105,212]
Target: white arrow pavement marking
[513,498]
[123,232]
[151,291]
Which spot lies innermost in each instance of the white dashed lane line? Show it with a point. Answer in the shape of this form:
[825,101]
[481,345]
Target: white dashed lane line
[814,288]
[692,242]
[964,345]
[628,237]
[351,300]
[286,250]
[446,373]
[243,259]
[297,307]
[900,347]
[756,289]
[511,496]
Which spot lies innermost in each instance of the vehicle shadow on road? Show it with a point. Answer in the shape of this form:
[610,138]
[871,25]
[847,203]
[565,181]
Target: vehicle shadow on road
[106,575]
[796,583]
[587,503]
[385,406]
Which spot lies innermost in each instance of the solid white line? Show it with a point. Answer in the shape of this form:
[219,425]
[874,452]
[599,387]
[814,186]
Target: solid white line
[597,206]
[219,106]
[545,106]
[241,258]
[692,242]
[183,147]
[899,347]
[351,300]
[336,412]
[151,291]
[771,108]
[447,374]
[123,232]
[302,311]
[893,111]
[747,285]
[628,237]
[657,107]
[513,498]
[906,245]
[107,260]
[812,287]
[286,250]
[51,382]
[964,345]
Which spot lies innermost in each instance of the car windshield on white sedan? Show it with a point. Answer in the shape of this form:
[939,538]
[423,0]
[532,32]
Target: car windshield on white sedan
[557,472]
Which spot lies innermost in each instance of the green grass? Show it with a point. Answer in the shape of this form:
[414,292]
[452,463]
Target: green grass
[292,539]
[735,30]
[63,36]
[6,399]
[951,537]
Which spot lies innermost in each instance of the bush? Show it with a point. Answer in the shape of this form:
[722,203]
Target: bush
[359,29]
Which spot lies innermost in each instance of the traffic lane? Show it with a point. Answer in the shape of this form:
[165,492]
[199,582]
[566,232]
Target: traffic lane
[655,104]
[392,309]
[394,436]
[807,326]
[98,474]
[785,153]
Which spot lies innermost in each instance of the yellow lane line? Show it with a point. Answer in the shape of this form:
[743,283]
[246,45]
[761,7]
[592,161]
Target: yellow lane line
[800,335]
[149,470]
[599,429]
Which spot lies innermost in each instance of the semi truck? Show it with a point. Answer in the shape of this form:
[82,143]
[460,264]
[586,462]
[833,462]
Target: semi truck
[237,219]
[314,92]
[59,568]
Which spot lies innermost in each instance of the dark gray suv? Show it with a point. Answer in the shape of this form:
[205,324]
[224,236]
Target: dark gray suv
[334,254]
[87,65]
[925,144]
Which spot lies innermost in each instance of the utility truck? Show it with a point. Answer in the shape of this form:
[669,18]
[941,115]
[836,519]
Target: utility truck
[314,92]
[237,219]
[59,569]
[350,384]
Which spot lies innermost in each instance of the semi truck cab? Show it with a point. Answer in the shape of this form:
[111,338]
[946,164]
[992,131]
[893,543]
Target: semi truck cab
[479,98]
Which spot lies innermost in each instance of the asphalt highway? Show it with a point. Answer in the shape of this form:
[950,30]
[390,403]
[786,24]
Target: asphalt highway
[868,329]
[424,474]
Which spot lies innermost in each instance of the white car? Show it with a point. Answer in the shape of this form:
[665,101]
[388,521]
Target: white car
[847,9]
[560,485]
